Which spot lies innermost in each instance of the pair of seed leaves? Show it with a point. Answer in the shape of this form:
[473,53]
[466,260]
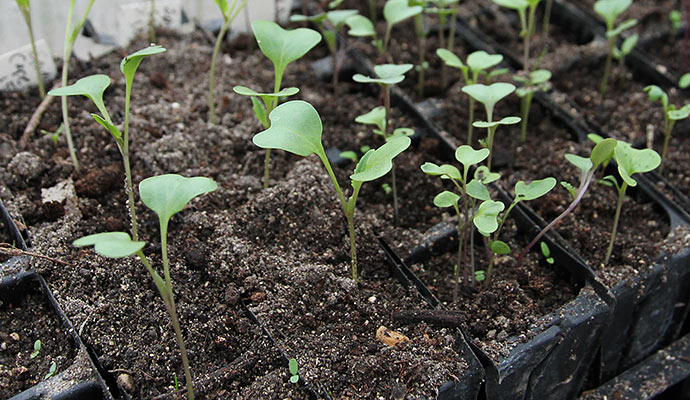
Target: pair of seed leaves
[477,63]
[394,12]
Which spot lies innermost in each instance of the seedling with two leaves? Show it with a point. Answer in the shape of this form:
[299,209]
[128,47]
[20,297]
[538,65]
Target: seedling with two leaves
[296,128]
[166,195]
[476,66]
[672,114]
[281,47]
[526,10]
[535,81]
[610,10]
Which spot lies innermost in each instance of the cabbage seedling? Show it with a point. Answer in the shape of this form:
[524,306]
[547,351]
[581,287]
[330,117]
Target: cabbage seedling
[281,47]
[534,82]
[671,115]
[610,10]
[526,21]
[395,12]
[166,195]
[626,47]
[229,14]
[601,154]
[296,128]
[361,26]
[674,18]
[93,87]
[294,371]
[489,96]
[25,9]
[546,252]
[337,19]
[629,161]
[477,65]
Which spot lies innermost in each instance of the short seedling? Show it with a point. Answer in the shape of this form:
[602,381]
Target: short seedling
[281,47]
[477,65]
[54,136]
[546,252]
[296,128]
[675,18]
[294,371]
[37,349]
[166,195]
[51,371]
[25,9]
[489,96]
[672,114]
[93,87]
[626,48]
[601,154]
[527,20]
[387,76]
[535,81]
[610,10]
[229,14]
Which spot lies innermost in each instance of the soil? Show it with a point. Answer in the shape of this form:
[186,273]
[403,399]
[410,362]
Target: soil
[25,318]
[652,15]
[670,54]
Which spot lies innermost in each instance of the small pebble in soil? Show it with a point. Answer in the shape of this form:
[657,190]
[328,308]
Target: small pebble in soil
[372,299]
[15,336]
[127,382]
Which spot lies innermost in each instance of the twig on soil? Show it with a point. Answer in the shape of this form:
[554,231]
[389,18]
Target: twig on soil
[35,119]
[8,249]
[450,319]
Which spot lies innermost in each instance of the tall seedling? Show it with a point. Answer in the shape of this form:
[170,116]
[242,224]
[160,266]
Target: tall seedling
[477,65]
[296,128]
[71,34]
[281,47]
[166,195]
[610,10]
[229,14]
[671,115]
[527,20]
[534,82]
[387,76]
[25,9]
[93,87]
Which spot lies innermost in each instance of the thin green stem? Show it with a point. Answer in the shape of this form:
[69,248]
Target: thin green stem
[547,16]
[125,158]
[668,128]
[267,167]
[461,240]
[270,106]
[350,215]
[607,68]
[525,105]
[619,204]
[395,196]
[26,13]
[490,145]
[470,128]
[212,73]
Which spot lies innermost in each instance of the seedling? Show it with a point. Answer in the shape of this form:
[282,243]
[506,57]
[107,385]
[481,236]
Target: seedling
[447,11]
[294,371]
[527,20]
[610,10]
[336,18]
[535,81]
[626,48]
[25,9]
[361,26]
[675,18]
[630,161]
[477,65]
[51,371]
[166,195]
[281,47]
[229,14]
[601,154]
[54,136]
[421,34]
[395,12]
[93,87]
[672,114]
[489,96]
[546,252]
[176,382]
[37,349]
[388,75]
[296,128]
[684,81]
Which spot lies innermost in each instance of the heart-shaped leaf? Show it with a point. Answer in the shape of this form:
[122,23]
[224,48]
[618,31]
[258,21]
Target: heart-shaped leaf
[631,161]
[539,76]
[499,247]
[486,217]
[609,10]
[449,58]
[396,11]
[387,74]
[468,156]
[446,199]
[602,152]
[484,174]
[129,64]
[535,189]
[377,163]
[655,93]
[582,163]
[295,127]
[444,170]
[111,244]
[338,17]
[504,121]
[92,86]
[283,46]
[489,95]
[477,190]
[360,26]
[677,115]
[481,60]
[377,117]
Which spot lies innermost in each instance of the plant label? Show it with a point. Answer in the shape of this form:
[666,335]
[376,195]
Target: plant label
[134,17]
[17,69]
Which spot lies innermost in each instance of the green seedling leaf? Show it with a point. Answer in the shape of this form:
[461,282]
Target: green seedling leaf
[92,86]
[168,194]
[260,111]
[350,155]
[294,370]
[111,244]
[450,59]
[570,188]
[446,199]
[223,5]
[625,25]
[584,164]
[684,81]
[468,156]
[609,181]
[629,44]
[513,4]
[317,19]
[631,161]
[483,174]
[51,371]
[377,163]
[677,115]
[546,252]
[37,349]
[655,93]
[295,127]
[376,117]
[109,127]
[534,190]
[504,121]
[602,152]
[338,17]
[609,10]
[477,190]
[539,76]
[489,95]
[479,275]
[401,132]
[481,60]
[388,74]
[445,171]
[396,11]
[129,64]
[499,247]
[360,26]
[266,97]
[486,218]
[283,46]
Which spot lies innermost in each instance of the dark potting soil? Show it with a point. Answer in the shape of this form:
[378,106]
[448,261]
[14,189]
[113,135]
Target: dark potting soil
[652,15]
[22,322]
[672,55]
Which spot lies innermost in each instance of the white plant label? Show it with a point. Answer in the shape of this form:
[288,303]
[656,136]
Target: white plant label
[17,70]
[135,17]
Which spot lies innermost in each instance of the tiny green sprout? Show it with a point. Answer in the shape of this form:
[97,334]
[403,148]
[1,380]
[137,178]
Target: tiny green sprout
[94,87]
[630,161]
[37,349]
[229,14]
[176,382]
[166,195]
[387,188]
[626,48]
[51,371]
[684,81]
[25,9]
[546,252]
[296,128]
[477,65]
[675,18]
[281,47]
[601,154]
[54,136]
[527,20]
[337,19]
[610,10]
[395,12]
[294,371]
[479,275]
[535,81]
[672,114]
